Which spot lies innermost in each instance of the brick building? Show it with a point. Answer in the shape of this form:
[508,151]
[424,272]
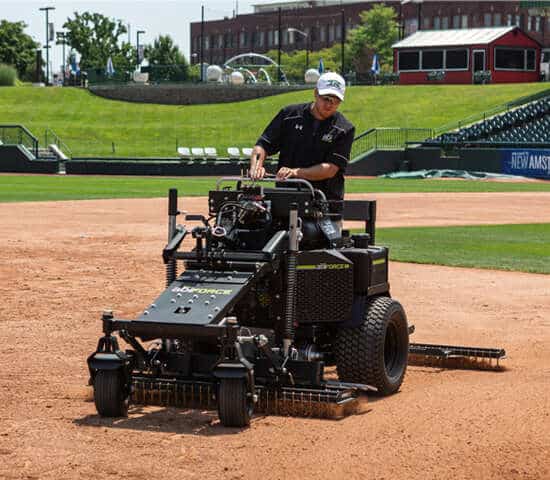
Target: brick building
[321,22]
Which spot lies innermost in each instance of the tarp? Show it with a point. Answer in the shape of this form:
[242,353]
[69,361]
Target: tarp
[449,174]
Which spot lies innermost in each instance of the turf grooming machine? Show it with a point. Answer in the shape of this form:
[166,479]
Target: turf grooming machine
[273,292]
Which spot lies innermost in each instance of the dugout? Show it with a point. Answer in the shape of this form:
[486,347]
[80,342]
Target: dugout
[461,56]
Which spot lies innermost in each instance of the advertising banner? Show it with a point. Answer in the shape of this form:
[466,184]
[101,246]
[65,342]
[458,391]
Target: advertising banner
[526,162]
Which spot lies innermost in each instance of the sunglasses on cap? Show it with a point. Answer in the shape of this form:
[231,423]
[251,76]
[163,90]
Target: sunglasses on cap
[330,99]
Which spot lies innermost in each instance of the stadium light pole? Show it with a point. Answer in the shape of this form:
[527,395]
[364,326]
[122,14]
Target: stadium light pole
[139,32]
[306,37]
[279,47]
[343,35]
[47,46]
[61,39]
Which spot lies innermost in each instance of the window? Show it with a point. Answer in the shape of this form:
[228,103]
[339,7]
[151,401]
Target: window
[270,37]
[537,24]
[331,33]
[497,20]
[487,19]
[276,37]
[530,60]
[444,23]
[207,42]
[323,33]
[456,21]
[432,59]
[437,23]
[338,32]
[456,59]
[426,23]
[220,41]
[509,19]
[464,21]
[243,39]
[514,59]
[409,60]
[261,38]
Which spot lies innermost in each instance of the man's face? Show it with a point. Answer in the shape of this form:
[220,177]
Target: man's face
[326,105]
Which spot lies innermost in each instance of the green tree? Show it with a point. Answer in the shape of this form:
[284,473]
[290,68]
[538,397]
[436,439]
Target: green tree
[17,48]
[377,32]
[166,60]
[96,38]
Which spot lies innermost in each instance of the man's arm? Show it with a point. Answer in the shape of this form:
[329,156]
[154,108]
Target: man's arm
[321,171]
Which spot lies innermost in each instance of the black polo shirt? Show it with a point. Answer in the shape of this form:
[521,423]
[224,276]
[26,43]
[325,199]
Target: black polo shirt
[303,141]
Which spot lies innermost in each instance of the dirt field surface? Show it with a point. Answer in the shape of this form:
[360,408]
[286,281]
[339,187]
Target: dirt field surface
[62,263]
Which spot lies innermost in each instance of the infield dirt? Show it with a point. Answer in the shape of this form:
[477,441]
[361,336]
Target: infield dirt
[63,263]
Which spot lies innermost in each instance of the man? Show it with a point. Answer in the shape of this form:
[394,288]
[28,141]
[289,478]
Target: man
[313,140]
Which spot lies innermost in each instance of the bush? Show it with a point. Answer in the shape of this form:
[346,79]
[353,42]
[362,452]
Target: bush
[8,76]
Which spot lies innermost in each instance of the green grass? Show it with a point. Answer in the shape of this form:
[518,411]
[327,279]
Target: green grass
[502,247]
[17,188]
[90,125]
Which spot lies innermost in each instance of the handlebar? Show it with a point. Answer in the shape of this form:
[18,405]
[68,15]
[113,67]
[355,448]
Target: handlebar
[313,191]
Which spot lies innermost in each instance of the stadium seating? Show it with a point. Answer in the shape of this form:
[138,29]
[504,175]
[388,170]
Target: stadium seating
[527,124]
[184,152]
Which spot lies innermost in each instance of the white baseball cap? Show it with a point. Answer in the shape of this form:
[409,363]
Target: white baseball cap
[331,83]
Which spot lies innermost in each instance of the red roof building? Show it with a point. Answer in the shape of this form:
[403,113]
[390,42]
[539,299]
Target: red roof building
[498,55]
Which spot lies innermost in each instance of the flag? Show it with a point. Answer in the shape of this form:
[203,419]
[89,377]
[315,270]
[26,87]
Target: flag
[74,65]
[375,69]
[110,70]
[321,66]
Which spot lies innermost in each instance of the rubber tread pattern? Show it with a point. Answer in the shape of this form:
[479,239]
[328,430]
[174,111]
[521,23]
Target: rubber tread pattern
[109,397]
[233,408]
[359,351]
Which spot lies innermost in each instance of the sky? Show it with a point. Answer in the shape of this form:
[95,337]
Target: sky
[156,17]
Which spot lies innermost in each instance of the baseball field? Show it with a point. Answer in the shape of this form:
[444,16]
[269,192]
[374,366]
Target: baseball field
[72,247]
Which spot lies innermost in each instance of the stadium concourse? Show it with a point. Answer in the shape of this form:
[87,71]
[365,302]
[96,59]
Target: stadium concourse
[64,262]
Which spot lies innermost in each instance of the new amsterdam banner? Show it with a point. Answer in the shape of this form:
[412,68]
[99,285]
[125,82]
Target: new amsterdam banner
[526,162]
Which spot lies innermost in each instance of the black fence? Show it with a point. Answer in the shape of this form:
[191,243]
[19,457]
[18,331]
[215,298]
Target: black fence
[388,139]
[19,135]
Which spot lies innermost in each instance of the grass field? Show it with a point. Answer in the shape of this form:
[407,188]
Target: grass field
[31,188]
[90,125]
[502,247]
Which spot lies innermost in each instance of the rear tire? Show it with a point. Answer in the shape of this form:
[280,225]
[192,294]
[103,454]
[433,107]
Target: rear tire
[375,353]
[235,407]
[110,395]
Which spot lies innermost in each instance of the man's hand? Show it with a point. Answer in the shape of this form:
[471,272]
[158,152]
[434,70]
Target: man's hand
[286,172]
[257,170]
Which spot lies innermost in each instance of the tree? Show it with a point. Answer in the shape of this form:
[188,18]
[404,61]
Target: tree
[377,32]
[166,60]
[96,38]
[17,48]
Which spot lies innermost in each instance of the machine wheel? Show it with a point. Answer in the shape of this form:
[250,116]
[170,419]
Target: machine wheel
[375,353]
[109,394]
[235,407]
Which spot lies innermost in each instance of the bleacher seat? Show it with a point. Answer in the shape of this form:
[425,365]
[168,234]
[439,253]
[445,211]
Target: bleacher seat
[184,152]
[197,152]
[210,152]
[233,152]
[247,151]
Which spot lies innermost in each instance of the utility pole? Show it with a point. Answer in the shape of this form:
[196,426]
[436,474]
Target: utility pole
[279,48]
[201,58]
[343,40]
[47,46]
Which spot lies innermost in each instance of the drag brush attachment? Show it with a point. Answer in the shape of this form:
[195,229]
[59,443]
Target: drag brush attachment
[334,401]
[448,356]
[330,403]
[173,393]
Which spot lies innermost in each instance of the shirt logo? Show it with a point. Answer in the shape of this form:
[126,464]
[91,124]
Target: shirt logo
[298,127]
[327,137]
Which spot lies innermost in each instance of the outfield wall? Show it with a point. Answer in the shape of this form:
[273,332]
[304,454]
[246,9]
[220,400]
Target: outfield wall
[16,159]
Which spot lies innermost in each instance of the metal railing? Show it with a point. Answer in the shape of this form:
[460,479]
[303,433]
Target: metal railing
[51,137]
[482,116]
[387,139]
[19,135]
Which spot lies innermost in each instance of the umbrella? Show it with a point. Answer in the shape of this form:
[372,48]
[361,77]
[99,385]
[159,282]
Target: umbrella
[110,70]
[321,66]
[375,69]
